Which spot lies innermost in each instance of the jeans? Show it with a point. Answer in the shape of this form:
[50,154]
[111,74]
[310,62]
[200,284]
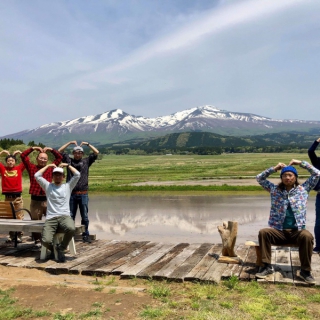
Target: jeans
[317,222]
[81,201]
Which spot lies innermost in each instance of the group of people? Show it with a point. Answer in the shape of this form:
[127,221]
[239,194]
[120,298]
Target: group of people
[51,197]
[59,201]
[287,220]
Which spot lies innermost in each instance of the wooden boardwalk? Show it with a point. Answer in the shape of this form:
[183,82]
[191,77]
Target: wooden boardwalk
[163,261]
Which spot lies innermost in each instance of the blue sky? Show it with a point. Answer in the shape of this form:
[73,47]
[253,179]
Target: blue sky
[61,60]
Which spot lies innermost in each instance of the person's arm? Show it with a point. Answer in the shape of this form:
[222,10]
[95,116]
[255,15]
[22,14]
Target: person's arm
[6,152]
[38,176]
[262,177]
[311,182]
[75,174]
[56,154]
[94,149]
[24,156]
[312,155]
[62,148]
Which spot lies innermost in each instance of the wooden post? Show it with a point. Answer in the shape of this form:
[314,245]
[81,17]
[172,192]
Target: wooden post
[228,232]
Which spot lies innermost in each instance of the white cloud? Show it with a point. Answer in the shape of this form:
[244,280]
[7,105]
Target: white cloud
[62,60]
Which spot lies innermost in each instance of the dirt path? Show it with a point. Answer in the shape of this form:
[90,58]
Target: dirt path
[78,294]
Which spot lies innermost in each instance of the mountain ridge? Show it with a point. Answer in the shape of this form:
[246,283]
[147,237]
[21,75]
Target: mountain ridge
[116,126]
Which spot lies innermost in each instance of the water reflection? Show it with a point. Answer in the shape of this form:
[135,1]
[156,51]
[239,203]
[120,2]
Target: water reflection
[178,218]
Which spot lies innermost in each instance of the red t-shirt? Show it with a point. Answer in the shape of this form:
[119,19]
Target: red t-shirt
[11,181]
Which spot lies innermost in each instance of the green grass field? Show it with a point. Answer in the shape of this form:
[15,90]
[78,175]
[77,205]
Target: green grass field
[115,173]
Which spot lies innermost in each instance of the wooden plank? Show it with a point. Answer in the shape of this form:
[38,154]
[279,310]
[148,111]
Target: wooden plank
[249,268]
[204,264]
[132,252]
[296,266]
[214,273]
[315,265]
[144,251]
[155,256]
[283,269]
[176,262]
[235,269]
[75,264]
[179,273]
[155,267]
[109,256]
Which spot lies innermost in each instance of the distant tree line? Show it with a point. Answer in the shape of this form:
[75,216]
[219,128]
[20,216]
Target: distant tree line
[201,150]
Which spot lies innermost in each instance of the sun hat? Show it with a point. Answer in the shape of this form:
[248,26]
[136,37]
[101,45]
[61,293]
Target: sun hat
[58,169]
[289,169]
[77,148]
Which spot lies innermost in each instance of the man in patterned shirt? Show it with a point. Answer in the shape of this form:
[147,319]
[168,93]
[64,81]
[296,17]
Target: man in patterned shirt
[287,220]
[38,204]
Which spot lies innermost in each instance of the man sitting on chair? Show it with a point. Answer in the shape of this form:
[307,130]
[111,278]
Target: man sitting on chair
[287,220]
[58,209]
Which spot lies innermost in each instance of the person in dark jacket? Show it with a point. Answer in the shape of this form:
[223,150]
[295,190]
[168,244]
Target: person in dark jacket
[79,197]
[316,163]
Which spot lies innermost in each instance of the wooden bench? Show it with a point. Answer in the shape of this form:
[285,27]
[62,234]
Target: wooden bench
[255,244]
[37,226]
[8,211]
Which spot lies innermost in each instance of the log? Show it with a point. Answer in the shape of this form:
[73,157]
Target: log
[228,232]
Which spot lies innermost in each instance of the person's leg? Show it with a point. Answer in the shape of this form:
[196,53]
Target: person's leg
[18,204]
[267,238]
[73,206]
[66,224]
[83,206]
[36,211]
[49,230]
[317,224]
[304,240]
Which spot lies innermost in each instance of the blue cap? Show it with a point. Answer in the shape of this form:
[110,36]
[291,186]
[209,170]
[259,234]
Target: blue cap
[289,169]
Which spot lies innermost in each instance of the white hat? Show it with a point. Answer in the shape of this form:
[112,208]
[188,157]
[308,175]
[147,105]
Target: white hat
[77,148]
[58,169]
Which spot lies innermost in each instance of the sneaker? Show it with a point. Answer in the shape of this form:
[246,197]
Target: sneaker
[50,255]
[8,240]
[316,250]
[61,255]
[86,239]
[37,243]
[265,271]
[307,276]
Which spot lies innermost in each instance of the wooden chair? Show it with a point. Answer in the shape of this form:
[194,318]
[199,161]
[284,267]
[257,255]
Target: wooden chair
[8,211]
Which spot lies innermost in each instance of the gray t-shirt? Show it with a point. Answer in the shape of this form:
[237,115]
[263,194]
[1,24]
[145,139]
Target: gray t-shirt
[58,197]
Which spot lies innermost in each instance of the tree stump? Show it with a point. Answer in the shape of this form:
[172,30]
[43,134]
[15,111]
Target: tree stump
[228,232]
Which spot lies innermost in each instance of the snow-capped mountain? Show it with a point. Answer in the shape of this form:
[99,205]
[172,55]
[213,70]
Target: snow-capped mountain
[117,125]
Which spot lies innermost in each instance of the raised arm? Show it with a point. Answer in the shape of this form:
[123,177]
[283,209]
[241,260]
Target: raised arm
[61,149]
[6,152]
[94,149]
[56,154]
[312,155]
[262,177]
[311,182]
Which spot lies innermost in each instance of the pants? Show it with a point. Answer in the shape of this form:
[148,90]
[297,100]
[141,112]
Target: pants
[81,201]
[63,223]
[302,238]
[37,210]
[18,204]
[317,222]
